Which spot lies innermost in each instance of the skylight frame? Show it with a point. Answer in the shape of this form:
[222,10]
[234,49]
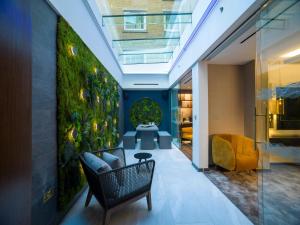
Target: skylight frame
[203,10]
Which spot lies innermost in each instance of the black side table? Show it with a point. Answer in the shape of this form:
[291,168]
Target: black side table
[143,156]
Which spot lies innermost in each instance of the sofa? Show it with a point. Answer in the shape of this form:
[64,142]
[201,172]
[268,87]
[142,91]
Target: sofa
[234,152]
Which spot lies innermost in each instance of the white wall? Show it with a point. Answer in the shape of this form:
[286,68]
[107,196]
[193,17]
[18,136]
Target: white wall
[226,99]
[200,115]
[78,16]
[146,69]
[130,80]
[216,27]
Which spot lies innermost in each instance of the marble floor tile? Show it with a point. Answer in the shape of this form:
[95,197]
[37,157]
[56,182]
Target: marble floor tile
[180,196]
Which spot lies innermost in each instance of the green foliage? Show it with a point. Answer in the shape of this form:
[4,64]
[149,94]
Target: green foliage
[87,109]
[144,111]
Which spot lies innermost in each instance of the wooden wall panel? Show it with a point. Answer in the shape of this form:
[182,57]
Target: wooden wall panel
[15,112]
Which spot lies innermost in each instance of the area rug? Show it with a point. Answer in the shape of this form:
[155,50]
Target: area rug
[241,188]
[277,191]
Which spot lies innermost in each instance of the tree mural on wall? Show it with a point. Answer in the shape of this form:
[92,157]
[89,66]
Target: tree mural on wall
[88,105]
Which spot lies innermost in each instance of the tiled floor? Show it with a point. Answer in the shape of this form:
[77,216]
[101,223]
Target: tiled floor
[180,196]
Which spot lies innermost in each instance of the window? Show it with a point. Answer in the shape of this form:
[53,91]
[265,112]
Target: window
[135,23]
[171,22]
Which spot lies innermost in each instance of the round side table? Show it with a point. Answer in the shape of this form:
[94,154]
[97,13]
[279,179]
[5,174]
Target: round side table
[142,156]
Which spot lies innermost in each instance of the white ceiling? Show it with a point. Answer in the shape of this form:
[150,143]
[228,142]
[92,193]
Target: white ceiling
[237,53]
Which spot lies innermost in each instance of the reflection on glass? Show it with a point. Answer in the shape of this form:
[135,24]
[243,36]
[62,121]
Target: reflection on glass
[278,113]
[175,116]
[181,115]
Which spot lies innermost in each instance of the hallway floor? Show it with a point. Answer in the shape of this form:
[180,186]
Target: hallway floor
[180,196]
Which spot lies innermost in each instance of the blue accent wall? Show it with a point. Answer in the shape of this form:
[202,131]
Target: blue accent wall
[161,97]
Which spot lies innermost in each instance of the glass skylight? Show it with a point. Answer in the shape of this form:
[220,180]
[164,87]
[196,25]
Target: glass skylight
[145,31]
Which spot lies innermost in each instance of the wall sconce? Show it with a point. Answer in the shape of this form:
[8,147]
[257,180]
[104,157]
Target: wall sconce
[95,126]
[71,135]
[81,169]
[81,94]
[273,106]
[73,50]
[276,106]
[280,106]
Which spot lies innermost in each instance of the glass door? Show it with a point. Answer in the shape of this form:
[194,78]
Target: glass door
[278,112]
[175,116]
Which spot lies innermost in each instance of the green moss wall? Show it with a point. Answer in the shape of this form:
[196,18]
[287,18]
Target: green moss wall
[88,105]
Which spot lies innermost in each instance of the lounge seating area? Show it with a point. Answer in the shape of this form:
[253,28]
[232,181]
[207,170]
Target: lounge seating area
[173,201]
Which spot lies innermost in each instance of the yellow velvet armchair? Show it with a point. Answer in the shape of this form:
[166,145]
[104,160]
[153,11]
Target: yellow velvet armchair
[234,152]
[187,133]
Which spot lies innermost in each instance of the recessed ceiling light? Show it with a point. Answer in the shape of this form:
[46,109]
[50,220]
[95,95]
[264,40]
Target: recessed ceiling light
[291,54]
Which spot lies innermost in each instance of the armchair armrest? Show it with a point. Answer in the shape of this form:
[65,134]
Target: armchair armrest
[249,146]
[123,183]
[223,153]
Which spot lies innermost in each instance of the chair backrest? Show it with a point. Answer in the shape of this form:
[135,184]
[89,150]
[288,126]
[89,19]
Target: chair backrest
[239,143]
[227,137]
[92,177]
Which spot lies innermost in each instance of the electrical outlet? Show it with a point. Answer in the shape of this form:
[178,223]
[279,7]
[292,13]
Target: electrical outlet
[48,195]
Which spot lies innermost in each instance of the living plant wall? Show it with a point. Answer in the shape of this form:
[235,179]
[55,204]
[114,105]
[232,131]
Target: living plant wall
[144,111]
[88,102]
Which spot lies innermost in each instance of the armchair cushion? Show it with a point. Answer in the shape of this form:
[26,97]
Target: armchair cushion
[115,163]
[112,160]
[96,163]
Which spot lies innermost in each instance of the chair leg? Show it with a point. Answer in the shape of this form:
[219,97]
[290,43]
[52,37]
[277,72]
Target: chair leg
[106,217]
[88,198]
[149,201]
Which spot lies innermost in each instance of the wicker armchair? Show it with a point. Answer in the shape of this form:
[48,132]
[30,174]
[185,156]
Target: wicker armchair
[118,187]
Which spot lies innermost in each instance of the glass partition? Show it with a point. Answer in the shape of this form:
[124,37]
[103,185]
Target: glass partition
[181,115]
[278,112]
[175,115]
